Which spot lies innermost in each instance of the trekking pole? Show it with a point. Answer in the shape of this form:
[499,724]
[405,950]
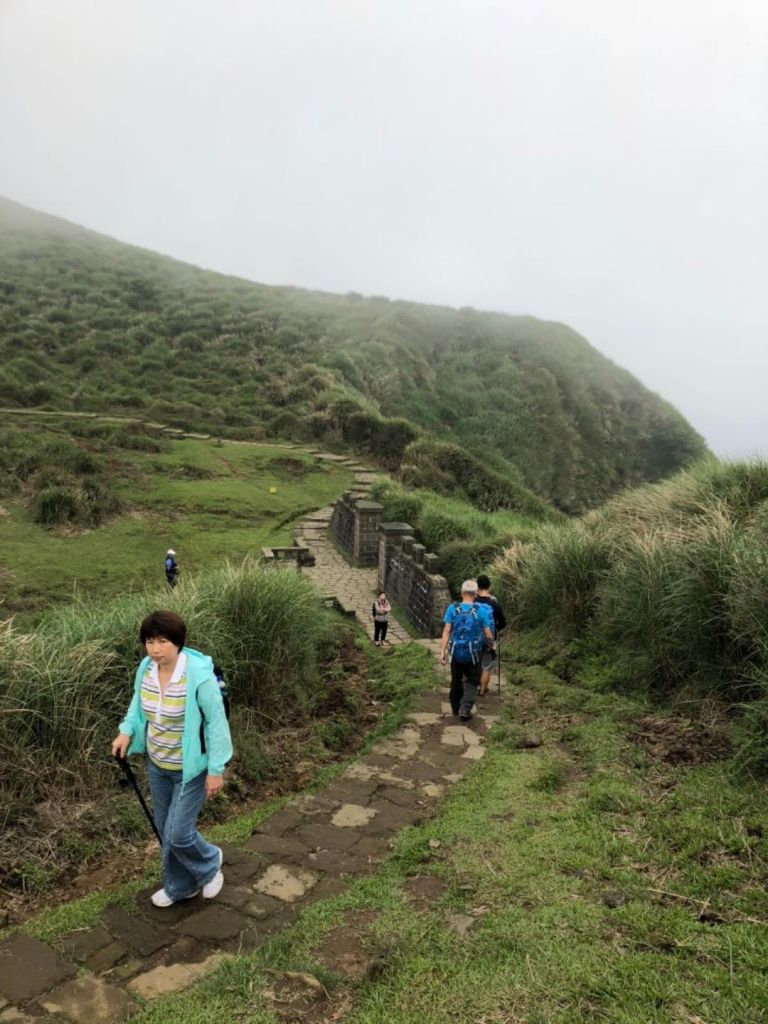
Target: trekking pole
[130,780]
[498,663]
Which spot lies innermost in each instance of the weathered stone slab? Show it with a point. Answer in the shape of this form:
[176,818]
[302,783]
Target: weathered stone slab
[29,967]
[281,821]
[214,924]
[389,819]
[106,958]
[262,907]
[352,816]
[327,837]
[165,979]
[410,798]
[360,771]
[288,884]
[336,863]
[138,934]
[314,805]
[424,717]
[374,848]
[286,848]
[433,790]
[80,945]
[402,746]
[474,753]
[88,1000]
[14,1016]
[421,771]
[459,736]
[348,791]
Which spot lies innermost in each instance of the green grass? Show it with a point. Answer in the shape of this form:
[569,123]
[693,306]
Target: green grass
[229,515]
[587,894]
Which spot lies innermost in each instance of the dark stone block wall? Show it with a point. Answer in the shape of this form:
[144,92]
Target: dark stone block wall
[355,525]
[407,572]
[343,525]
[411,579]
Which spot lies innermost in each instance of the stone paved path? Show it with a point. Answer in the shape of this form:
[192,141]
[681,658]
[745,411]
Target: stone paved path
[309,850]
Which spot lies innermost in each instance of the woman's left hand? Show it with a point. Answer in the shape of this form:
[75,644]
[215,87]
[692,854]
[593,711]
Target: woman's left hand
[213,785]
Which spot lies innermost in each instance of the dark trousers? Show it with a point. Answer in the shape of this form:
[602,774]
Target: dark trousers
[379,631]
[465,680]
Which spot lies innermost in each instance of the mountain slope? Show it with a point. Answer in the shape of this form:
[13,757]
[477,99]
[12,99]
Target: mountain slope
[92,324]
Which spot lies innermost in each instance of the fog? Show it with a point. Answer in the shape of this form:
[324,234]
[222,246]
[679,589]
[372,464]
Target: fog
[600,162]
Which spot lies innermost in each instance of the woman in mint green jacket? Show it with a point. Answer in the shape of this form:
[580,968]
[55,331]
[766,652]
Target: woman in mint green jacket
[176,700]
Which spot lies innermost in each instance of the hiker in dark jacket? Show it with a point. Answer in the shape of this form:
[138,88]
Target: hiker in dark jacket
[381,609]
[468,629]
[484,596]
[171,568]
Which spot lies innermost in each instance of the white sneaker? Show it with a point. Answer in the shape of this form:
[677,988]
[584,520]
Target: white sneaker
[162,899]
[213,888]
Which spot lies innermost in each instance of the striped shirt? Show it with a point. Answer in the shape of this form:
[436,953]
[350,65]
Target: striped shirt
[165,714]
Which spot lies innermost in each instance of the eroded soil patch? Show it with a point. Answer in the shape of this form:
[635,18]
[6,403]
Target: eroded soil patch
[677,740]
[348,949]
[423,891]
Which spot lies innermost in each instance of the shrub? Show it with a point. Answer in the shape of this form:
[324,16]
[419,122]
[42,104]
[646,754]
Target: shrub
[56,505]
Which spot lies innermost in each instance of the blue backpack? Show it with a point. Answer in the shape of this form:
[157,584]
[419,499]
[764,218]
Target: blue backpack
[466,636]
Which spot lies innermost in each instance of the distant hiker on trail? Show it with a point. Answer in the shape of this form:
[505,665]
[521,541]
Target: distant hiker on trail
[484,596]
[171,568]
[381,610]
[468,629]
[175,693]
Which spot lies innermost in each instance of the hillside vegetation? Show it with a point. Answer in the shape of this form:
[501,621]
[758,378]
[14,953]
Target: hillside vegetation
[666,588]
[90,507]
[87,323]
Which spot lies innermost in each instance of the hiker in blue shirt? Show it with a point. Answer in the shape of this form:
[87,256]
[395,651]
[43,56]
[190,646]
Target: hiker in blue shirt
[468,630]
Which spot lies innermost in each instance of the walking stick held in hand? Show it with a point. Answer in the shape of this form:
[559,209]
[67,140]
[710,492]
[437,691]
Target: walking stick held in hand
[130,780]
[498,663]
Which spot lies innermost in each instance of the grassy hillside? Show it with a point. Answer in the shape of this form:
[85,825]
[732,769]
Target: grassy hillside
[664,590]
[87,323]
[91,507]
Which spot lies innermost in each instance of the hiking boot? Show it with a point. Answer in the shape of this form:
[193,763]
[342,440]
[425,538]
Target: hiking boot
[465,718]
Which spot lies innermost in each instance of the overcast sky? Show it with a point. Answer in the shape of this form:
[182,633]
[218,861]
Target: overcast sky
[599,162]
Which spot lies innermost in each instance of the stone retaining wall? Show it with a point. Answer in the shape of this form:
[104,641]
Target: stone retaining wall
[355,525]
[410,576]
[406,570]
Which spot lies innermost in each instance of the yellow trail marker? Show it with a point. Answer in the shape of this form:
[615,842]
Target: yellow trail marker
[273,490]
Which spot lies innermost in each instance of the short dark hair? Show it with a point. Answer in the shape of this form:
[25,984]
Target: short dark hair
[483,583]
[166,624]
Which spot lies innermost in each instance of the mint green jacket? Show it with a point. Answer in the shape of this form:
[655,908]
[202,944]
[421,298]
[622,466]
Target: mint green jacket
[202,693]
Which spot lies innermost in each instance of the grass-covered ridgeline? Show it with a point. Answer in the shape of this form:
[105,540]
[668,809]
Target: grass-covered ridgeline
[124,493]
[87,323]
[299,681]
[668,584]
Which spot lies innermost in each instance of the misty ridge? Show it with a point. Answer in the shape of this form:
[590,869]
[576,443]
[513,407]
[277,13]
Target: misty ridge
[92,325]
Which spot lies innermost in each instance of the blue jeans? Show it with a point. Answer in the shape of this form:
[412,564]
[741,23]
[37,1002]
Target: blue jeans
[189,861]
